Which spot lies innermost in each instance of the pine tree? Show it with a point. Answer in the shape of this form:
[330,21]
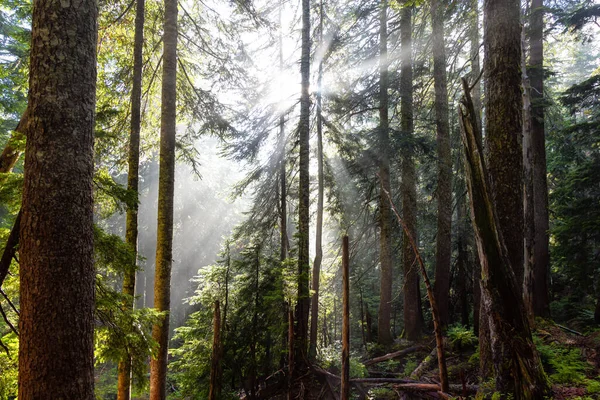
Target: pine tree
[166,185]
[56,254]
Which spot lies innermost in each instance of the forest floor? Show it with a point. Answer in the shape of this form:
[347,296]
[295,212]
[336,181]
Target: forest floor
[570,359]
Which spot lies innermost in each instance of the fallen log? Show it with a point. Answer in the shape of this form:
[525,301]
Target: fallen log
[391,356]
[424,365]
[402,384]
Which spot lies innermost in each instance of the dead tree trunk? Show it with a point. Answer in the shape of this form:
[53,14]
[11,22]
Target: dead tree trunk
[437,325]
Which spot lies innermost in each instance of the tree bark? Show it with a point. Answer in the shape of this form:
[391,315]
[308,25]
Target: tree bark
[345,385]
[214,390]
[504,103]
[385,254]
[528,204]
[413,317]
[131,228]
[517,367]
[57,274]
[444,163]
[166,187]
[303,303]
[316,273]
[541,300]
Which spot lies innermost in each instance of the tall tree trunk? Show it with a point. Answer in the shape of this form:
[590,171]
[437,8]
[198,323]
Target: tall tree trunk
[480,322]
[528,205]
[541,301]
[413,317]
[345,375]
[282,173]
[57,273]
[385,253]
[283,238]
[214,390]
[444,181]
[166,187]
[303,304]
[316,273]
[504,103]
[131,228]
[517,367]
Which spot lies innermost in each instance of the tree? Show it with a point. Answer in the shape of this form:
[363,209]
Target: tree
[541,254]
[164,241]
[444,180]
[385,253]
[56,254]
[131,228]
[503,146]
[316,274]
[413,317]
[303,304]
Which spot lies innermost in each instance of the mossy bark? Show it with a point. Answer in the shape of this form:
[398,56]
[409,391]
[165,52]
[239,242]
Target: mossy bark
[166,187]
[517,368]
[131,224]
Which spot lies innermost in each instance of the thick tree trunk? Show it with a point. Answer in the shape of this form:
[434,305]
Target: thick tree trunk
[413,318]
[131,228]
[444,180]
[57,274]
[541,300]
[345,385]
[316,273]
[385,244]
[214,389]
[166,186]
[302,307]
[504,103]
[517,367]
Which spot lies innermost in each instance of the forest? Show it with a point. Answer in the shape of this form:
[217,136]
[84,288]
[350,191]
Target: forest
[299,199]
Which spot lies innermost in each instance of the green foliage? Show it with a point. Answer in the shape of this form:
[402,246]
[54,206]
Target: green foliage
[330,358]
[410,365]
[111,196]
[8,364]
[248,283]
[592,386]
[574,165]
[564,365]
[461,337]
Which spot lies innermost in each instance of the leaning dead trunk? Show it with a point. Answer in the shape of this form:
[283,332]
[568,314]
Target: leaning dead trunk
[516,364]
[435,314]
